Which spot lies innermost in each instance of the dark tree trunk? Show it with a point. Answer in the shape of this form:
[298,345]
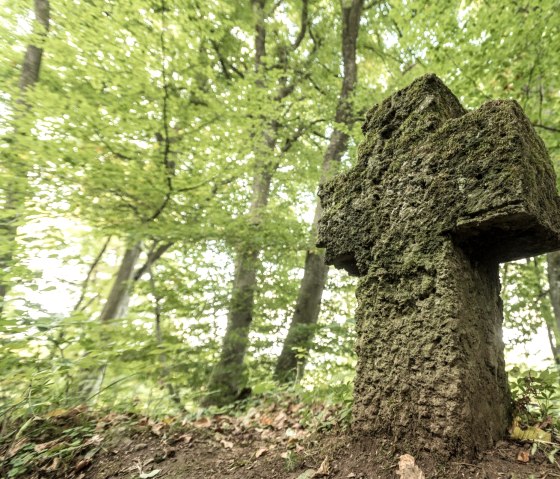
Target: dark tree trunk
[308,303]
[117,301]
[14,196]
[34,54]
[553,327]
[228,378]
[115,307]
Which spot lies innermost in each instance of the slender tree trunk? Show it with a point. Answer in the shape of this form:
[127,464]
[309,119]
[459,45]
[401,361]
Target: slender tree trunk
[553,326]
[117,301]
[228,378]
[115,307]
[14,194]
[308,303]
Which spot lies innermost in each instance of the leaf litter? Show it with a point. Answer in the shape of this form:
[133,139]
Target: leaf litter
[270,441]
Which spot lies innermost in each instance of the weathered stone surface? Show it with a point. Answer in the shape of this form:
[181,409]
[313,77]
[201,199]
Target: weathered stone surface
[438,197]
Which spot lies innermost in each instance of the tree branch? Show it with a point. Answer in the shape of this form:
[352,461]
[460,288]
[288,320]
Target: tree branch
[109,147]
[304,22]
[225,64]
[545,127]
[89,274]
[153,256]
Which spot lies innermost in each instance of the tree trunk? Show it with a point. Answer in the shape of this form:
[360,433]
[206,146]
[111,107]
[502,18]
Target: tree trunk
[308,303]
[117,301]
[553,326]
[228,378]
[115,307]
[14,193]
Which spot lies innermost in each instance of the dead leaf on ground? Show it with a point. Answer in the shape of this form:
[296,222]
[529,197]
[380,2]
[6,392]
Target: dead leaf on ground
[266,421]
[227,444]
[203,422]
[294,408]
[260,452]
[523,456]
[94,440]
[53,465]
[16,447]
[83,464]
[148,475]
[309,474]
[280,420]
[157,429]
[408,469]
[39,448]
[324,468]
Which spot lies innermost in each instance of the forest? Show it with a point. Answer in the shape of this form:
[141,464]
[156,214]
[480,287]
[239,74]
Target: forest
[165,309]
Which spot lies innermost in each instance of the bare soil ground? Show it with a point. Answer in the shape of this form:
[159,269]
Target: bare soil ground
[272,442]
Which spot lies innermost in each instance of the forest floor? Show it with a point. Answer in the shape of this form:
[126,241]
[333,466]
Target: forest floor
[272,441]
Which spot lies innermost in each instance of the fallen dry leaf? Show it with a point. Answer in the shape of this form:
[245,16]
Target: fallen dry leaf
[94,440]
[309,474]
[351,475]
[523,456]
[324,468]
[280,420]
[260,452]
[158,428]
[227,444]
[83,464]
[55,464]
[46,445]
[203,422]
[407,468]
[293,408]
[16,447]
[266,421]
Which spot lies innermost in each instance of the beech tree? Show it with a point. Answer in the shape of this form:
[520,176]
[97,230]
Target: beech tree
[15,187]
[273,138]
[308,303]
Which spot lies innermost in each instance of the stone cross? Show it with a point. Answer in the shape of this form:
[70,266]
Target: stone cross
[438,198]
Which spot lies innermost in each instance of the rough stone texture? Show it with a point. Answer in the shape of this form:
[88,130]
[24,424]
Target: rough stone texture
[438,197]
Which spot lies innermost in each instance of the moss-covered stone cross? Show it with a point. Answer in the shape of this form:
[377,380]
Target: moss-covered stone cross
[438,198]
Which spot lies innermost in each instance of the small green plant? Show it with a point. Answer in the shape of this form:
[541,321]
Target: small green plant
[536,395]
[293,461]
